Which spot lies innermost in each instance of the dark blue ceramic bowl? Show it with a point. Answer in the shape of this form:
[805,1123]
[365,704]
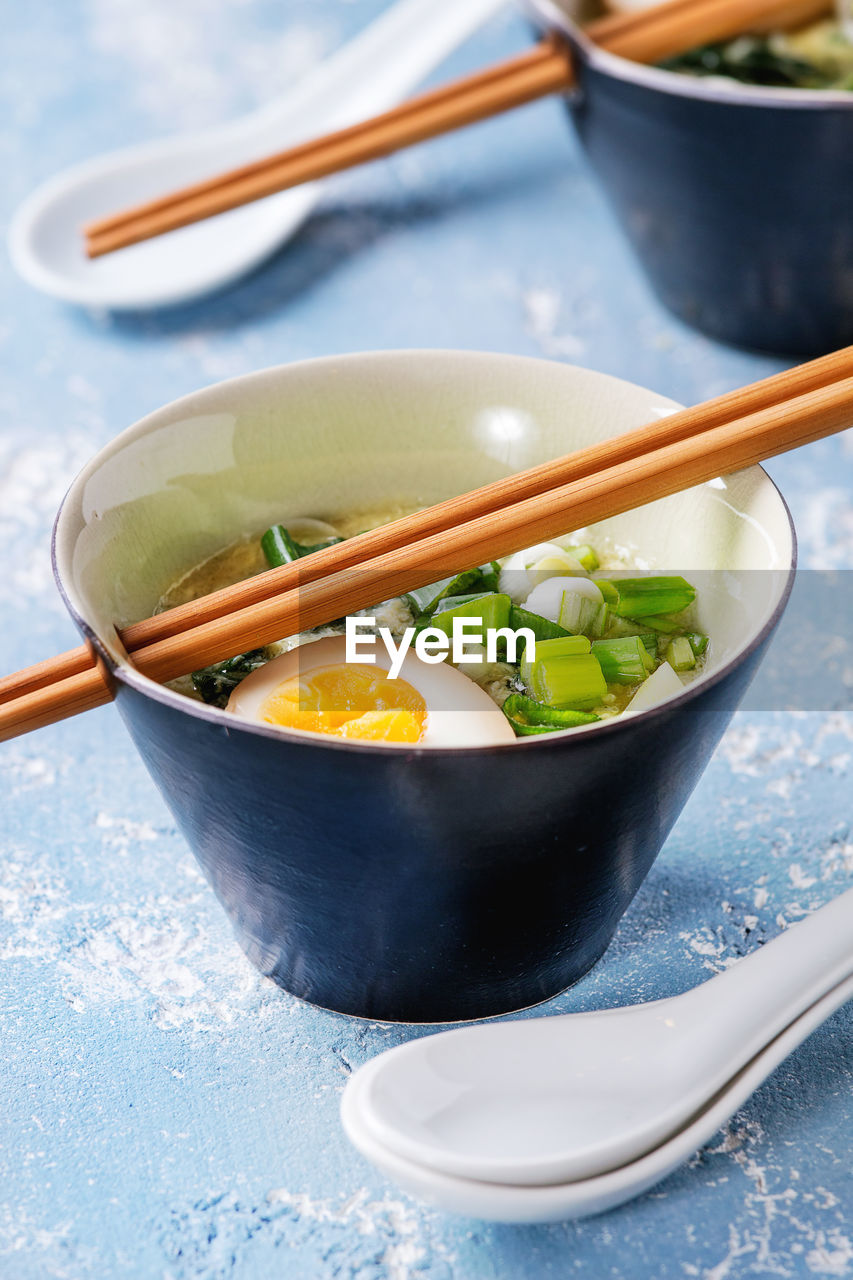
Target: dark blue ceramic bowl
[738,200]
[388,882]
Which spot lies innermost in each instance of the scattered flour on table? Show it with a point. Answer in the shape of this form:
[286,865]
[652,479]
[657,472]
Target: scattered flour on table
[150,952]
[387,1237]
[34,902]
[185,68]
[401,1221]
[772,1201]
[33,482]
[542,311]
[169,952]
[20,1235]
[825,526]
[29,773]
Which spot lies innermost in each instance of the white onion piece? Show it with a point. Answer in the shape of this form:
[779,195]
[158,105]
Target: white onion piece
[553,566]
[662,683]
[516,578]
[546,599]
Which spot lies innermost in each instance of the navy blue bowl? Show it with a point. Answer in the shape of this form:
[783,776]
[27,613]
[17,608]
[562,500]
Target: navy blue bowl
[394,883]
[738,200]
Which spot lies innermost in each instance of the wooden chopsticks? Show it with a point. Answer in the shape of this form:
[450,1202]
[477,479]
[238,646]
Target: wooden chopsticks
[644,36]
[673,453]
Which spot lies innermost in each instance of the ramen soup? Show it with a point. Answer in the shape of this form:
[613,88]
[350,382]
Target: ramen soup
[817,56]
[557,637]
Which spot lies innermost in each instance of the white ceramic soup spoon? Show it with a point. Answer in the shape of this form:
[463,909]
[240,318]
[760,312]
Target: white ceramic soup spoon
[369,75]
[501,1202]
[551,1100]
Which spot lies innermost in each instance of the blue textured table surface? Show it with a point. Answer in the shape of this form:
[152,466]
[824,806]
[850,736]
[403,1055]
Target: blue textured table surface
[166,1112]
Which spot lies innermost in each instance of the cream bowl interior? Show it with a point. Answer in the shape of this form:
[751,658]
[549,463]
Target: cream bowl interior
[345,433]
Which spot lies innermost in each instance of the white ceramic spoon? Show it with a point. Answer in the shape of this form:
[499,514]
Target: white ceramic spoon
[369,75]
[548,1100]
[497,1202]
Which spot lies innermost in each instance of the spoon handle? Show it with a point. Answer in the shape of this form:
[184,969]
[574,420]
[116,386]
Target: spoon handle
[767,990]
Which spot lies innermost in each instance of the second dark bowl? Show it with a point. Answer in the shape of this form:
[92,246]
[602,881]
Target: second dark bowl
[738,200]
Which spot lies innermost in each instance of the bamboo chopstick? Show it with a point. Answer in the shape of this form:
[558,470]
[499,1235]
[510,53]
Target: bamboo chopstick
[510,85]
[446,515]
[625,478]
[644,36]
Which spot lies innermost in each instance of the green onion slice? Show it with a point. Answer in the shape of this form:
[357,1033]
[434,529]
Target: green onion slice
[572,681]
[648,597]
[527,716]
[680,655]
[624,660]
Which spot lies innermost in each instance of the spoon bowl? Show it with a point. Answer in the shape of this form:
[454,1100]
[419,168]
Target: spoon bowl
[551,1100]
[503,1202]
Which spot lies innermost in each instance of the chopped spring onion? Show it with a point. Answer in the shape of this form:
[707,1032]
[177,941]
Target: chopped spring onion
[558,647]
[625,660]
[491,572]
[572,681]
[698,642]
[669,626]
[280,548]
[680,655]
[648,597]
[527,716]
[542,628]
[586,555]
[490,607]
[617,626]
[582,616]
[425,599]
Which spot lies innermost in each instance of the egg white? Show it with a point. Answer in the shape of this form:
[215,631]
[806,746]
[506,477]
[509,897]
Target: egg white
[459,712]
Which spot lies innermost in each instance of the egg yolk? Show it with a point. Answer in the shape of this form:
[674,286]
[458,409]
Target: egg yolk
[348,702]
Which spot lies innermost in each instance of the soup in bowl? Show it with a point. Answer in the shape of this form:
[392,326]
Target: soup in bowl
[403,878]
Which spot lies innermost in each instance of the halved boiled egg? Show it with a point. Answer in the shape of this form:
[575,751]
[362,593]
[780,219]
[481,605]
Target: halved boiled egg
[313,689]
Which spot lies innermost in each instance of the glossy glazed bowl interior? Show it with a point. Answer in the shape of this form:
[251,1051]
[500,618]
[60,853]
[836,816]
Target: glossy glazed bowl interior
[416,884]
[737,199]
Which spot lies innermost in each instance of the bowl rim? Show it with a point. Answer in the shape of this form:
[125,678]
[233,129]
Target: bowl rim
[717,89]
[125,674]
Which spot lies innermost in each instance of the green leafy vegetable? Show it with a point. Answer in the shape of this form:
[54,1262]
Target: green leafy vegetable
[753,60]
[215,684]
[423,601]
[280,548]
